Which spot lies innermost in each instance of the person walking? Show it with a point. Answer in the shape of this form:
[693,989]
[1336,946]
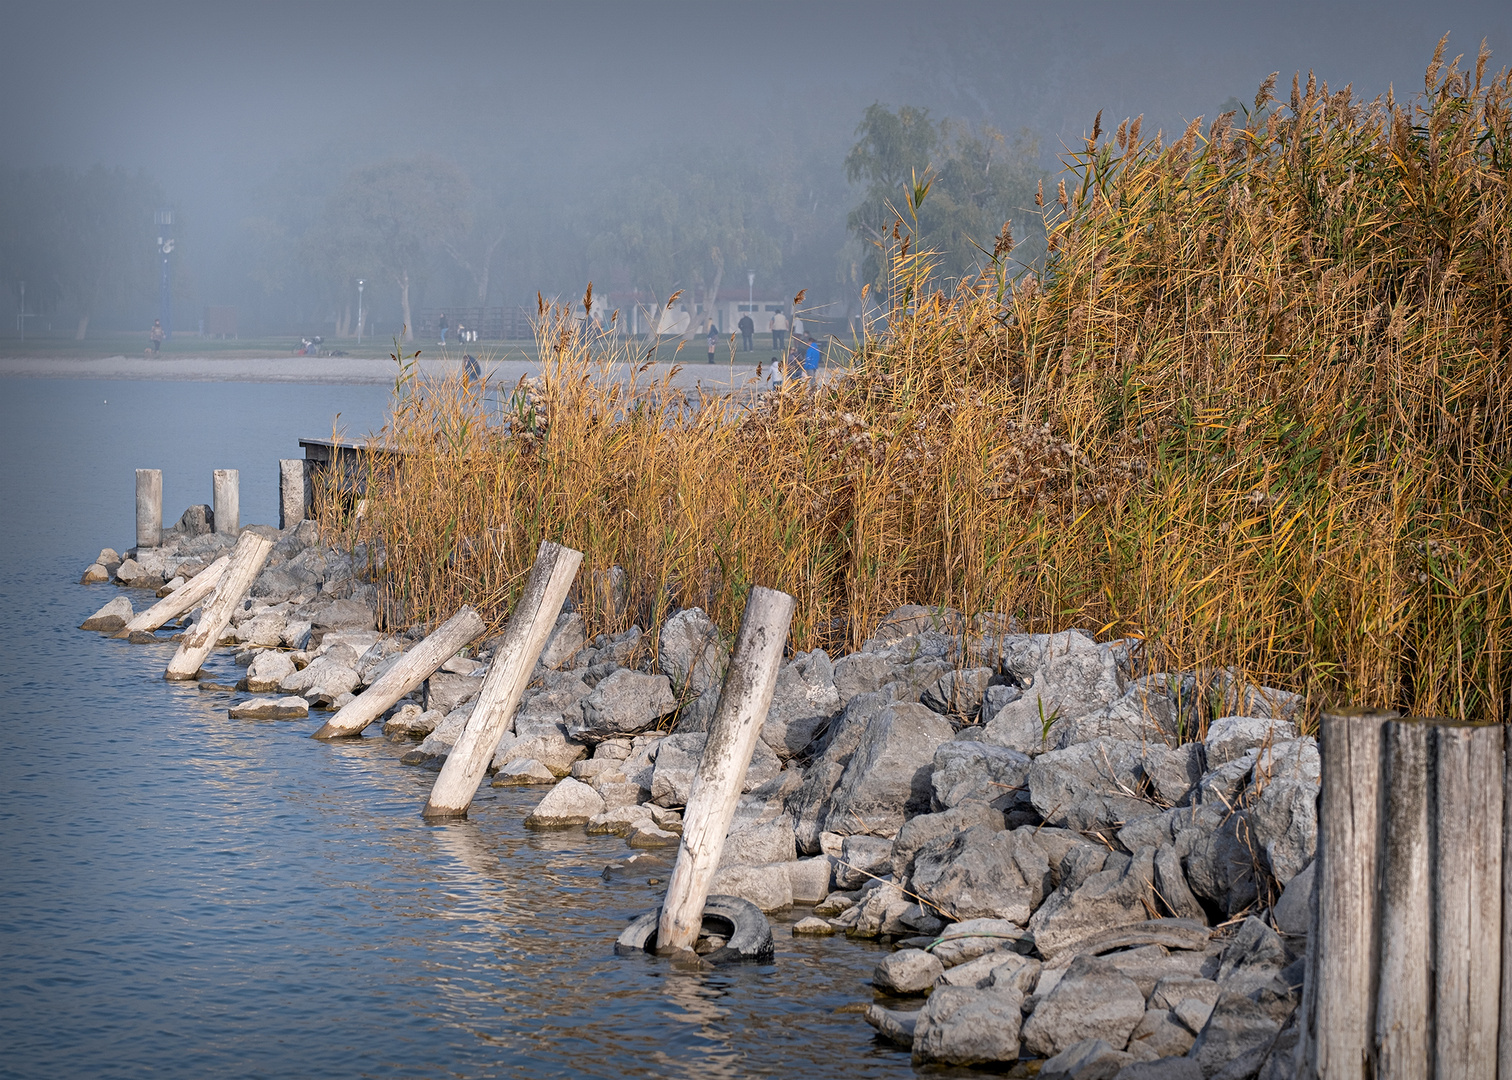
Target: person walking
[713,340]
[797,326]
[155,337]
[779,327]
[811,357]
[747,331]
[443,328]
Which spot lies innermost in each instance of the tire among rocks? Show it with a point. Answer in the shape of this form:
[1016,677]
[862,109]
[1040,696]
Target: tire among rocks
[748,935]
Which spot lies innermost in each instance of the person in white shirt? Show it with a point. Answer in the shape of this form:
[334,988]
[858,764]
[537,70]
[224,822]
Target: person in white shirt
[797,326]
[778,326]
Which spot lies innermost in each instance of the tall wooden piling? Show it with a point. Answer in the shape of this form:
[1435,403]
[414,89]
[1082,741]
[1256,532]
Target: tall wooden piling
[293,492]
[247,560]
[508,673]
[1338,999]
[1504,1039]
[227,501]
[743,703]
[1402,1033]
[180,600]
[149,508]
[412,669]
[1469,767]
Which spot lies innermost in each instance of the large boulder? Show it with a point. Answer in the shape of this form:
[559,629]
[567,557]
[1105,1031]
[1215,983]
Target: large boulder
[918,831]
[625,703]
[567,639]
[887,779]
[1092,1000]
[1214,844]
[1090,786]
[804,701]
[677,758]
[958,693]
[1238,1029]
[960,1026]
[446,691]
[760,842]
[810,804]
[983,873]
[978,771]
[111,617]
[691,653]
[1230,737]
[268,670]
[344,615]
[1121,895]
[570,802]
[549,746]
[907,971]
[1064,677]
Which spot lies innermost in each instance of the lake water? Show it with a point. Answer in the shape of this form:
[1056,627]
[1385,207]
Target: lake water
[183,895]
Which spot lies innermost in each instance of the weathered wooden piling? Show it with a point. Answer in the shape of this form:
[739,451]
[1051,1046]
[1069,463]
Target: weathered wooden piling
[743,703]
[1504,1038]
[180,600]
[247,560]
[293,492]
[1338,1000]
[149,507]
[227,501]
[508,673]
[1402,1036]
[1468,772]
[411,669]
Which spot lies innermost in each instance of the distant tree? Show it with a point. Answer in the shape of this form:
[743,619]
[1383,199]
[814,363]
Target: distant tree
[978,180]
[394,217]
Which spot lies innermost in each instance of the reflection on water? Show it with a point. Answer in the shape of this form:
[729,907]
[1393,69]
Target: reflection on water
[183,895]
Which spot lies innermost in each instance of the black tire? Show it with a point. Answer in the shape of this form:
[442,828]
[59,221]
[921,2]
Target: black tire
[747,934]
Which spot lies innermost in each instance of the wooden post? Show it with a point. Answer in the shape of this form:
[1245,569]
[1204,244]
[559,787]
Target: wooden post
[176,603]
[1339,995]
[412,669]
[293,492]
[227,501]
[743,703]
[1403,1035]
[1504,1039]
[247,561]
[509,672]
[1469,768]
[149,507]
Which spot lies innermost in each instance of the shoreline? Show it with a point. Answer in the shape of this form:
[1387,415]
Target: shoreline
[319,370]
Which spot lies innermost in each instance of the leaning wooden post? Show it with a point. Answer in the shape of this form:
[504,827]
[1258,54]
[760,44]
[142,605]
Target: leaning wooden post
[247,560]
[1403,1039]
[408,672]
[1339,995]
[1469,766]
[1504,1039]
[743,703]
[508,674]
[149,507]
[180,600]
[227,501]
[293,488]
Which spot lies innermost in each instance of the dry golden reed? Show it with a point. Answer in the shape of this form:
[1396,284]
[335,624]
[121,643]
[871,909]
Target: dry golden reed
[1254,410]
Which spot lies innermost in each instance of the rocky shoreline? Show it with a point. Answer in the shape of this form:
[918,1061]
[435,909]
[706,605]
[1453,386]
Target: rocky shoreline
[1083,865]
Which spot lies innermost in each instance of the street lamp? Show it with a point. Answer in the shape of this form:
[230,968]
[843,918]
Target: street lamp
[360,284]
[751,291]
[164,219]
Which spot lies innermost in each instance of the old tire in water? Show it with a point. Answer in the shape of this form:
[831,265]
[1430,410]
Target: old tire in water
[747,934]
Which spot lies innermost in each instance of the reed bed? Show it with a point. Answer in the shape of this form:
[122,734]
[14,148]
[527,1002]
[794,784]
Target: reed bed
[1253,410]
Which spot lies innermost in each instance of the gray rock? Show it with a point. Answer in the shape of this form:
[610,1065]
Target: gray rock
[111,617]
[1193,1014]
[696,715]
[1293,912]
[296,633]
[1161,1034]
[1172,892]
[1170,772]
[809,805]
[958,693]
[198,520]
[524,773]
[268,708]
[1090,786]
[980,771]
[445,691]
[1238,1028]
[1090,1059]
[264,630]
[691,653]
[434,748]
[982,972]
[618,820]
[268,671]
[767,887]
[1252,957]
[1147,965]
[970,938]
[569,803]
[677,760]
[762,842]
[1064,677]
[323,676]
[918,831]
[983,873]
[907,971]
[1283,817]
[912,619]
[890,1023]
[278,584]
[995,697]
[958,1026]
[810,879]
[409,721]
[1108,898]
[1174,989]
[1178,1068]
[1092,1000]
[344,615]
[625,703]
[95,574]
[1219,864]
[549,746]
[883,909]
[1281,1059]
[804,702]
[566,641]
[862,858]
[1011,969]
[1230,737]
[888,777]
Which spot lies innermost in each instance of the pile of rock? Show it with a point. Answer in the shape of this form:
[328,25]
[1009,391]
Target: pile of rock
[1031,818]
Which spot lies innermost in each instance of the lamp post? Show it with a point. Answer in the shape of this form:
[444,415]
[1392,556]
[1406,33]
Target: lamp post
[164,220]
[360,284]
[751,291]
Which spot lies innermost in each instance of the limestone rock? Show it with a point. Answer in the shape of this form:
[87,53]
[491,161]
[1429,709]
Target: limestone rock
[1090,786]
[569,803]
[1229,737]
[95,574]
[958,1026]
[1064,676]
[523,773]
[971,938]
[983,873]
[907,971]
[690,653]
[445,691]
[409,721]
[268,708]
[1090,1059]
[765,886]
[893,1024]
[862,858]
[677,760]
[618,821]
[978,771]
[804,701]
[625,703]
[1293,912]
[549,746]
[763,842]
[268,671]
[111,617]
[958,693]
[1092,1000]
[1108,898]
[1237,1028]
[888,777]
[566,641]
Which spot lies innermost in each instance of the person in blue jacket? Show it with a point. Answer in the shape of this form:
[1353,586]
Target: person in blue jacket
[811,357]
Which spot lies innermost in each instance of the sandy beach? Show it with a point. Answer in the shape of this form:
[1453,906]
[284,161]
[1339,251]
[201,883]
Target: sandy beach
[717,378]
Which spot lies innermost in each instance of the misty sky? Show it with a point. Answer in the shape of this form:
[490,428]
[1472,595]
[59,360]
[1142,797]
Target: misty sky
[213,98]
